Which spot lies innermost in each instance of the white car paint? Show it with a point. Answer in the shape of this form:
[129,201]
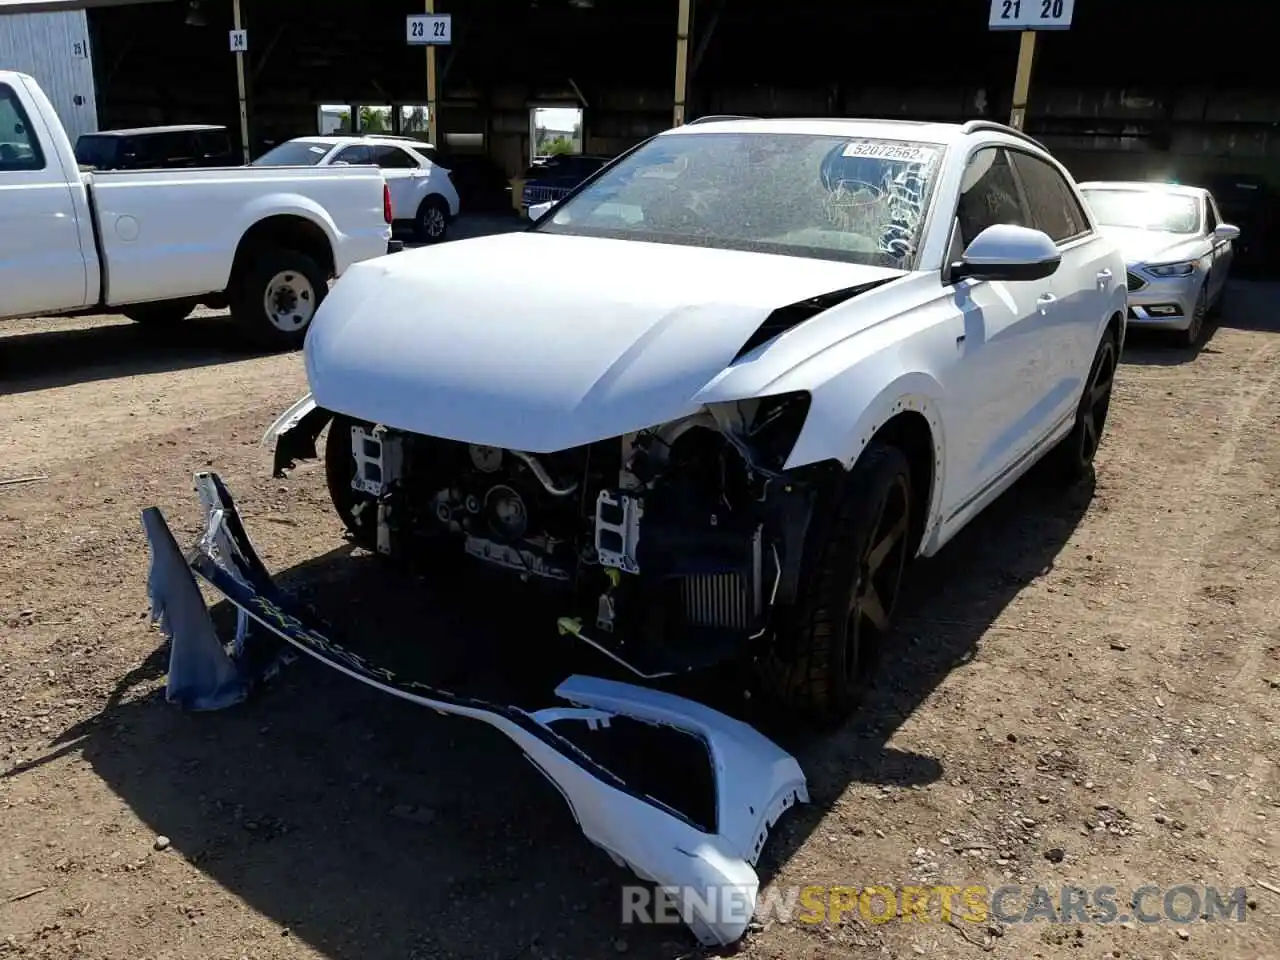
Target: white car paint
[582,338]
[410,185]
[71,240]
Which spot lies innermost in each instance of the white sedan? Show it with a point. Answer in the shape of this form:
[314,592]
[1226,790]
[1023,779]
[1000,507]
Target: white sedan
[422,192]
[1177,250]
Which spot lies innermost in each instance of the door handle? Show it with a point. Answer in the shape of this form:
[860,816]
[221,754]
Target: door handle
[1104,275]
[1045,301]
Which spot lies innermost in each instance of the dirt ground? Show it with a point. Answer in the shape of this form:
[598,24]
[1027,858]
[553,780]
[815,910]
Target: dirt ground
[1086,693]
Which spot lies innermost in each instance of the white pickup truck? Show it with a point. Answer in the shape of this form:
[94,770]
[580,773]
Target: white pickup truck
[153,244]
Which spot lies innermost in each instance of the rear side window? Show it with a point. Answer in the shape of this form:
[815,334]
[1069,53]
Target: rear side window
[1053,206]
[19,148]
[988,195]
[354,155]
[213,144]
[393,158]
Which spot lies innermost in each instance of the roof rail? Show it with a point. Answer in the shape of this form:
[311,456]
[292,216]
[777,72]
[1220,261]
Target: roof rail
[973,126]
[716,118]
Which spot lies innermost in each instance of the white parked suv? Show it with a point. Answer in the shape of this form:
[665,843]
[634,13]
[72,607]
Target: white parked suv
[789,357]
[422,192]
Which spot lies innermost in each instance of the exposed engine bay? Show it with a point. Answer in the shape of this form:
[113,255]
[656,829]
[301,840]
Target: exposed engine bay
[689,529]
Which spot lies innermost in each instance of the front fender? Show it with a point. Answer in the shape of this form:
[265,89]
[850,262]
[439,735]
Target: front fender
[294,434]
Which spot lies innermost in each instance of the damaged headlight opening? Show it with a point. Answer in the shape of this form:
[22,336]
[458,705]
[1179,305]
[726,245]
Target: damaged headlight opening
[675,543]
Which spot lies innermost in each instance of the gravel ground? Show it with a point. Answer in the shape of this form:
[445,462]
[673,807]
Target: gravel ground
[1086,692]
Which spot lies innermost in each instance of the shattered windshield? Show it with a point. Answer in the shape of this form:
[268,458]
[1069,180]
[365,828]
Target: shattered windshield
[835,198]
[1145,210]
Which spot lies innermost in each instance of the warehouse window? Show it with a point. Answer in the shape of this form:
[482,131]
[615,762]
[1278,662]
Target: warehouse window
[19,149]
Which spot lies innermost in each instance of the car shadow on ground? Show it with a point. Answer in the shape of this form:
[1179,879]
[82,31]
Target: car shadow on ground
[95,351]
[373,828]
[1250,305]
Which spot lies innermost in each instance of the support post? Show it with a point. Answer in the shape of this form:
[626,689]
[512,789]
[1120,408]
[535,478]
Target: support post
[240,83]
[682,60]
[433,129]
[1022,79]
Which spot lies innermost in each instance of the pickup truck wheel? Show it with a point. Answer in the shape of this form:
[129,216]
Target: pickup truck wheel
[276,296]
[432,222]
[1071,460]
[162,313]
[819,666]
[357,511]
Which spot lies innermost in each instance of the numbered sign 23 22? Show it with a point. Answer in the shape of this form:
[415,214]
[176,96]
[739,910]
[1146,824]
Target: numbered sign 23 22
[428,30]
[1031,14]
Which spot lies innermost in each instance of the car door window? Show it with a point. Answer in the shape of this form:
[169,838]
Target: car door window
[354,154]
[1054,208]
[1210,216]
[393,158]
[988,195]
[19,149]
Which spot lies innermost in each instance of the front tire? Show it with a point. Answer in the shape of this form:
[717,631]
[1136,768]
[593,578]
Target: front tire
[1189,337]
[276,296]
[824,655]
[357,511]
[162,313]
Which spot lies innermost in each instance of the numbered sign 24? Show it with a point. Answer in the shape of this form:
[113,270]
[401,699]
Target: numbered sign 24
[428,30]
[1031,14]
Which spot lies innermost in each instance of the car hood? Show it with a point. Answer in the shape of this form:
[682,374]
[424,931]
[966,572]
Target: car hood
[540,342]
[1151,246]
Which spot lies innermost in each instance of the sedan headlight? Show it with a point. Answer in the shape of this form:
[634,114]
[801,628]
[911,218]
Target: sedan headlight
[1183,269]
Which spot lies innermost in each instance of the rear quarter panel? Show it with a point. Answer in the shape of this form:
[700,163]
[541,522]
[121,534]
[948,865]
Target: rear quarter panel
[174,233]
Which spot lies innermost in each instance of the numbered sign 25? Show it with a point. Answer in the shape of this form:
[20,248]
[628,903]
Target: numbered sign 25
[430,29]
[1031,14]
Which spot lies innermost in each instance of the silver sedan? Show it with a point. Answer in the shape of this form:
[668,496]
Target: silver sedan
[1177,250]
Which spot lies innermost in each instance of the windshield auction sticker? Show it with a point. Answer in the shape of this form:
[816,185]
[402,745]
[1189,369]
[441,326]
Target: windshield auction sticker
[888,150]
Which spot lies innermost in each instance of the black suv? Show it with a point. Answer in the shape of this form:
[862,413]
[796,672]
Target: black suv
[152,148]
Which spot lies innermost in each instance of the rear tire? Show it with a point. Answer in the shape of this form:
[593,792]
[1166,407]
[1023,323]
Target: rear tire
[357,511]
[1072,459]
[824,655]
[432,222]
[162,313]
[275,297]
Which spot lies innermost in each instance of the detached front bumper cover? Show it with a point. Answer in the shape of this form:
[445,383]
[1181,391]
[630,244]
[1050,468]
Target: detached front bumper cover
[707,868]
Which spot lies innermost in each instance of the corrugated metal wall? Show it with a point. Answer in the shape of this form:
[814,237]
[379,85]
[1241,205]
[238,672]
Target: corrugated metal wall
[54,48]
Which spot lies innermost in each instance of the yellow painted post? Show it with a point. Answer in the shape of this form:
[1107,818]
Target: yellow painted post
[432,127]
[682,60]
[240,84]
[1022,79]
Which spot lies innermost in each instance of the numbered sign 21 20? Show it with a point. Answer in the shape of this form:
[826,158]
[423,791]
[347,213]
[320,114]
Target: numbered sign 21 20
[1031,14]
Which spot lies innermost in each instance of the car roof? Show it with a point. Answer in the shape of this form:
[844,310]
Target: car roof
[919,130]
[1149,186]
[349,138]
[146,131]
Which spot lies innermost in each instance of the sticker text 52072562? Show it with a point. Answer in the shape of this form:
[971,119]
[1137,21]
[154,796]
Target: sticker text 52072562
[888,150]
